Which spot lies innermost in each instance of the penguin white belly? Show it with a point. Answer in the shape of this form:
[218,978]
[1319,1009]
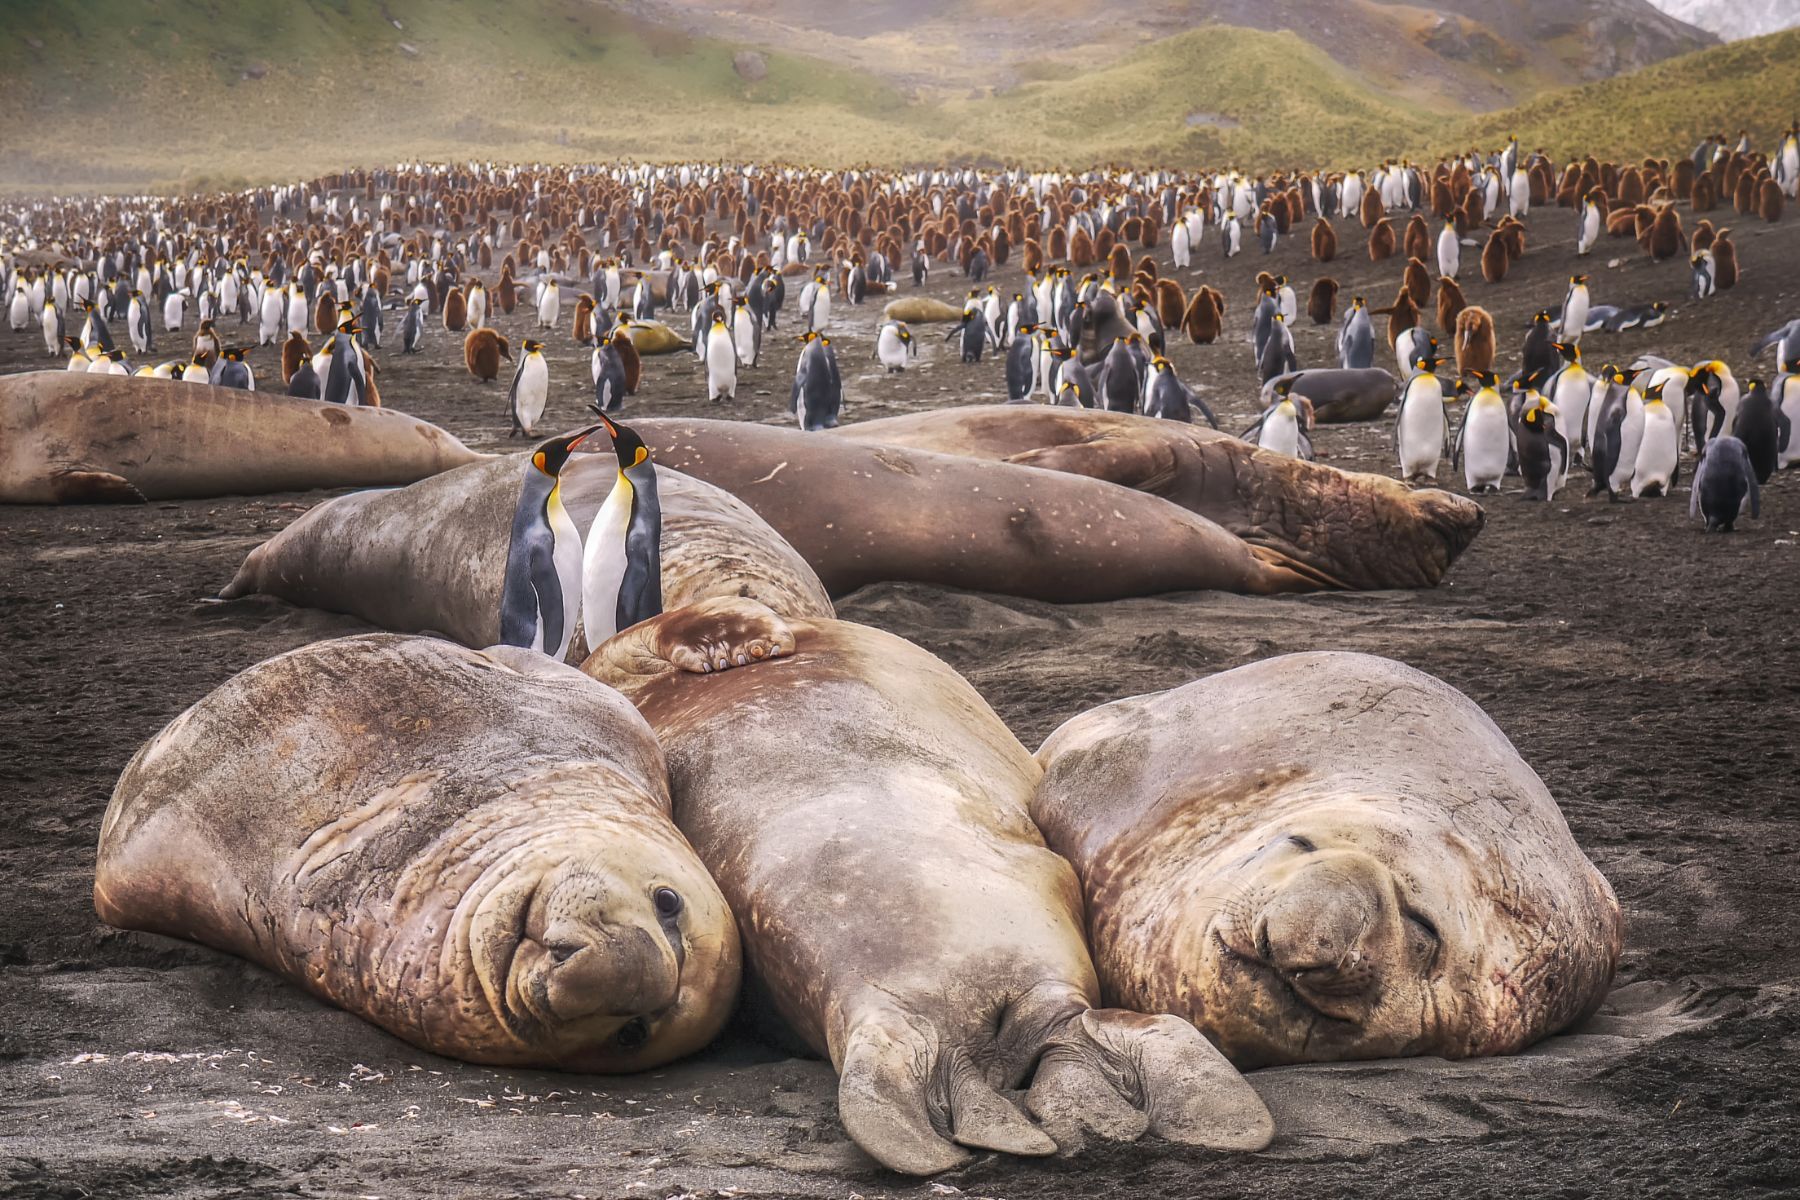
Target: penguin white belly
[172,312]
[99,366]
[1404,351]
[79,362]
[477,309]
[49,325]
[1485,446]
[1789,404]
[1590,230]
[821,311]
[1281,432]
[1657,449]
[744,334]
[1574,391]
[1178,245]
[566,557]
[20,311]
[532,393]
[603,565]
[194,374]
[1631,438]
[296,312]
[721,366]
[549,308]
[1421,435]
[891,350]
[1574,322]
[1449,254]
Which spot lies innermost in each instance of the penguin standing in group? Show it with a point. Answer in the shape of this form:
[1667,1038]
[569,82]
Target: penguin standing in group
[303,384]
[549,305]
[1658,466]
[540,593]
[1758,425]
[1281,428]
[1712,401]
[1167,398]
[610,382]
[1539,352]
[94,330]
[345,379]
[721,361]
[1608,451]
[234,372]
[894,345]
[1588,229]
[746,331]
[1356,338]
[1484,443]
[137,322]
[530,389]
[1575,309]
[1542,449]
[818,394]
[1785,391]
[975,332]
[1021,364]
[1570,389]
[412,326]
[1724,485]
[1421,427]
[1449,251]
[1278,356]
[51,322]
[621,558]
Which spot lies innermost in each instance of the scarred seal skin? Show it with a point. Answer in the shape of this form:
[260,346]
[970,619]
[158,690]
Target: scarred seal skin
[1327,856]
[78,438]
[1337,529]
[470,849]
[864,811]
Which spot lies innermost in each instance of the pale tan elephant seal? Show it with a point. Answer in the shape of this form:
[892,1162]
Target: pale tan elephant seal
[1327,856]
[864,811]
[431,557]
[469,849]
[78,438]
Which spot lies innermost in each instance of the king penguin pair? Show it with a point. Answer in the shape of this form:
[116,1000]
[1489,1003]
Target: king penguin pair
[612,581]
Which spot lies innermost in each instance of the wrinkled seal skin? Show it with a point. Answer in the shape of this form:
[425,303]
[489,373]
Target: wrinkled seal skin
[1340,529]
[431,557]
[76,439]
[1327,856]
[864,811]
[870,514]
[460,847]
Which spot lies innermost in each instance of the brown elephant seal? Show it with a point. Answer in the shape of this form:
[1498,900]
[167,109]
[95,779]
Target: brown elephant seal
[871,514]
[654,337]
[469,849]
[1341,529]
[77,438]
[920,310]
[432,557]
[1340,395]
[864,811]
[1327,856]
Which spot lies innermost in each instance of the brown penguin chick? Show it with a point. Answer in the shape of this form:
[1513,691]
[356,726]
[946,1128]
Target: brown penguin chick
[1402,315]
[1621,222]
[1417,281]
[584,320]
[1512,233]
[1058,249]
[1769,200]
[1171,303]
[1118,261]
[1703,236]
[456,310]
[1666,240]
[1416,242]
[1324,240]
[482,351]
[1743,193]
[1369,211]
[506,291]
[294,351]
[1631,187]
[1081,249]
[1202,319]
[325,311]
[1683,182]
[621,342]
[1474,340]
[1146,266]
[1705,196]
[1725,261]
[1321,304]
[1381,242]
[1450,302]
[1494,258]
[1033,255]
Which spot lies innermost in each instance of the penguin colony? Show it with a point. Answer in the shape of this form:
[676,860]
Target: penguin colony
[303,285]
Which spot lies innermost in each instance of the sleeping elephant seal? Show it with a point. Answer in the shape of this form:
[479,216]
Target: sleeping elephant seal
[76,438]
[864,811]
[920,310]
[471,850]
[432,557]
[1341,529]
[1327,856]
[872,514]
[1340,395]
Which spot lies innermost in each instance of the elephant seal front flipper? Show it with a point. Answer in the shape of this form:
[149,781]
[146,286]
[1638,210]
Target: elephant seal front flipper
[864,811]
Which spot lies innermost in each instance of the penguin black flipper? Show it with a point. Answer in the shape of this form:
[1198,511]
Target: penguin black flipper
[512,395]
[1305,446]
[1194,400]
[1252,433]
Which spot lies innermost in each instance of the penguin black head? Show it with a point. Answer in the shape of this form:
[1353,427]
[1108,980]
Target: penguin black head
[1542,317]
[550,457]
[1284,388]
[1569,350]
[1578,279]
[627,445]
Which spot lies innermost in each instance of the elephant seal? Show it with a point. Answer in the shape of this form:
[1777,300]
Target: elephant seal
[870,514]
[1341,395]
[920,310]
[1342,529]
[654,337]
[470,849]
[77,438]
[432,557]
[1327,856]
[864,811]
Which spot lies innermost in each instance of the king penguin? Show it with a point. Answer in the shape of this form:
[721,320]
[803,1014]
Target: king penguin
[621,560]
[530,389]
[540,594]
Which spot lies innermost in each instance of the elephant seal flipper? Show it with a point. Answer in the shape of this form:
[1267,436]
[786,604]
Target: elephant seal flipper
[75,485]
[863,809]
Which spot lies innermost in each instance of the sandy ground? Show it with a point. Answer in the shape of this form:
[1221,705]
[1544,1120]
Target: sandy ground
[1645,670]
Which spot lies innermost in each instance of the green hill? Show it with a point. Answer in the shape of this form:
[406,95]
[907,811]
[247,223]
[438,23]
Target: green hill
[206,93]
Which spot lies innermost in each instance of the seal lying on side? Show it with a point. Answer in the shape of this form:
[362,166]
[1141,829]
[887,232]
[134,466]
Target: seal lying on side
[1327,856]
[864,811]
[869,514]
[1340,395]
[78,438]
[1342,529]
[432,557]
[470,849]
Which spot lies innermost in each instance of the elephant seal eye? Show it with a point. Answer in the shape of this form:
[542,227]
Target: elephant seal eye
[668,902]
[633,1033]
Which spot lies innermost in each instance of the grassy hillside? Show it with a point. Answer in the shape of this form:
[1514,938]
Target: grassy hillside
[206,93]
